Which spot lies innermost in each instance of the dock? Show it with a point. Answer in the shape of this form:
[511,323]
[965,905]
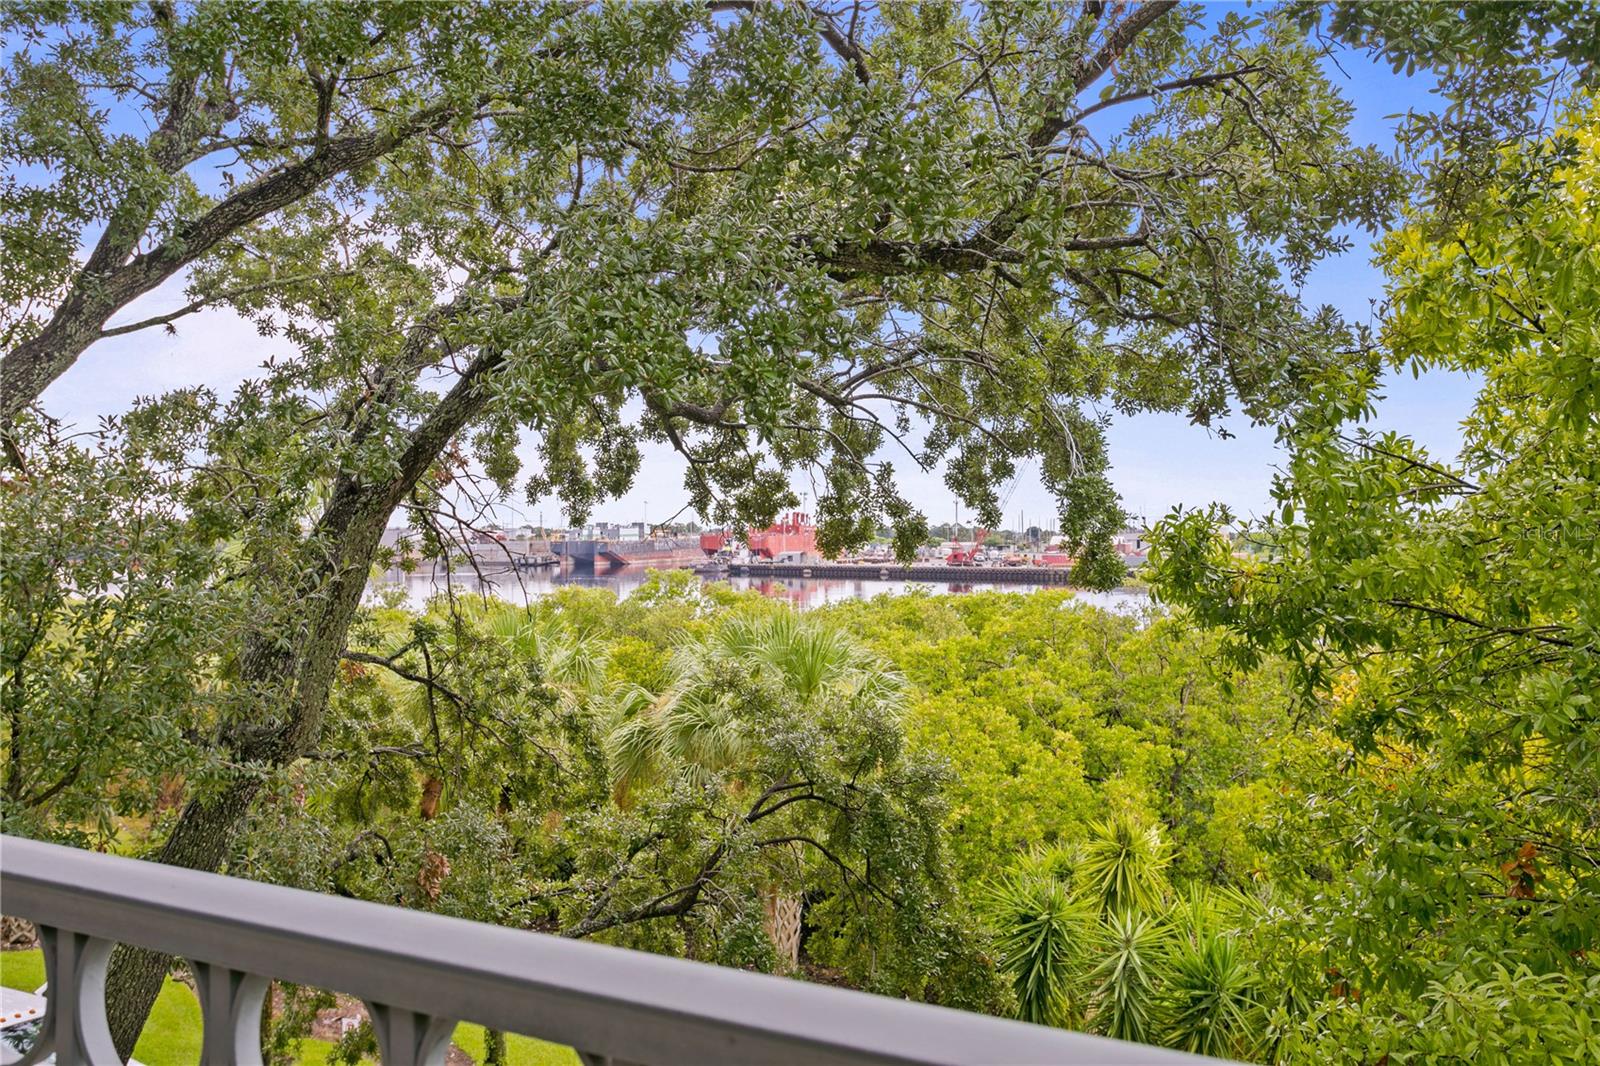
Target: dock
[1021,575]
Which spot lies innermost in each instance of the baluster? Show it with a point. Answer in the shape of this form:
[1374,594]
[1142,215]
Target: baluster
[230,1002]
[407,1038]
[75,1021]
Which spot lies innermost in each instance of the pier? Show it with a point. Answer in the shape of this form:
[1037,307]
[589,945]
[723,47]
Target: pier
[1022,575]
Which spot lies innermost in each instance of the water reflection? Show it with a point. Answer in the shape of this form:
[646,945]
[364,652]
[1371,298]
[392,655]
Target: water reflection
[803,592]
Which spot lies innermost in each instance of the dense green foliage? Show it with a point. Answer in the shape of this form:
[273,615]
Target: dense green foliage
[811,233]
[1441,619]
[771,238]
[651,773]
[1046,713]
[1339,804]
[657,772]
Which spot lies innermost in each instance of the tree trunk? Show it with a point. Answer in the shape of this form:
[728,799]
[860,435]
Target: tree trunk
[292,684]
[781,912]
[31,366]
[199,841]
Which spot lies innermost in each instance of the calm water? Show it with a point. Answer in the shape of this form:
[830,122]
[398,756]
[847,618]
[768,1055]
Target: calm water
[801,591]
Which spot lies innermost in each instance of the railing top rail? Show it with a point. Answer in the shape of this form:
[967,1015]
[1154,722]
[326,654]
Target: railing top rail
[608,1001]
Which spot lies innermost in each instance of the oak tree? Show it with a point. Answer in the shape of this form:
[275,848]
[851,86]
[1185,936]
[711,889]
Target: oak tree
[771,236]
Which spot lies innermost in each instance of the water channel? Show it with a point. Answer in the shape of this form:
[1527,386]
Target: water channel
[528,585]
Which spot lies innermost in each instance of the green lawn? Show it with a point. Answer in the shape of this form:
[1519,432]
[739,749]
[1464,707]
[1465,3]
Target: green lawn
[172,1035]
[522,1050]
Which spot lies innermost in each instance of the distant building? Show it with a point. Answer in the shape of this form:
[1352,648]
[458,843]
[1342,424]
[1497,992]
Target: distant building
[1131,541]
[1133,545]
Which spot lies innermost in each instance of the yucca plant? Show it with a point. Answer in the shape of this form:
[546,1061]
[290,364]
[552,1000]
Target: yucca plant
[1044,941]
[1127,980]
[1211,998]
[1121,866]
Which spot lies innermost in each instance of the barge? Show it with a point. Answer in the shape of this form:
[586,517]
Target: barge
[1020,575]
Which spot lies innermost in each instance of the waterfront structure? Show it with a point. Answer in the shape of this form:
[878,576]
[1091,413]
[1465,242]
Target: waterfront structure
[792,537]
[604,553]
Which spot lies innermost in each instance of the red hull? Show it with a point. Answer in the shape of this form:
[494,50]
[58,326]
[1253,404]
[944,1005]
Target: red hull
[658,552]
[791,534]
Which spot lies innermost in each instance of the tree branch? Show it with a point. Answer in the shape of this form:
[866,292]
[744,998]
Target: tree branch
[1198,81]
[400,671]
[844,868]
[206,301]
[1539,633]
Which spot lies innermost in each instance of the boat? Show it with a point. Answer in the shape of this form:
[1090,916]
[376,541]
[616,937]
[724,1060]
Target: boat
[611,554]
[791,535]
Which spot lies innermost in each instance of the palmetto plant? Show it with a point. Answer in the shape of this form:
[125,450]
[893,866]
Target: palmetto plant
[735,700]
[448,681]
[688,728]
[570,664]
[696,725]
[811,661]
[1044,943]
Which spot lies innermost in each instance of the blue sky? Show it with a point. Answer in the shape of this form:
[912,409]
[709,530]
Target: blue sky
[1159,461]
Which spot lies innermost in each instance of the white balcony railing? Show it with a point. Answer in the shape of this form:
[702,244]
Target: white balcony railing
[419,974]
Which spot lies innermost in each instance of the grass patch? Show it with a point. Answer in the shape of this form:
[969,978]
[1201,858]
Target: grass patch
[172,1035]
[520,1050]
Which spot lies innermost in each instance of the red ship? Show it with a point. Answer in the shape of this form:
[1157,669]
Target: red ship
[791,534]
[1056,556]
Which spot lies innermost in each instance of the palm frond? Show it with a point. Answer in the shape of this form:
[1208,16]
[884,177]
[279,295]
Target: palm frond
[638,742]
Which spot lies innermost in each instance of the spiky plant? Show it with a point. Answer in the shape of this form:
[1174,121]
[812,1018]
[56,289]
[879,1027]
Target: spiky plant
[1127,980]
[1211,998]
[1044,942]
[1121,866]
